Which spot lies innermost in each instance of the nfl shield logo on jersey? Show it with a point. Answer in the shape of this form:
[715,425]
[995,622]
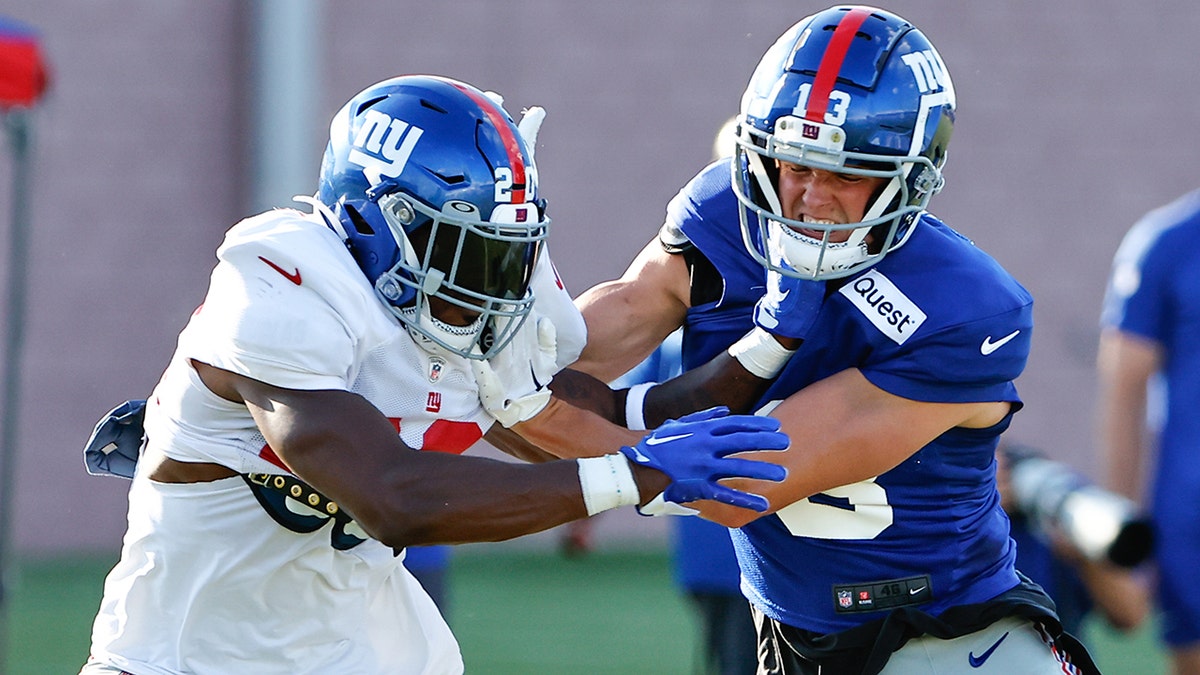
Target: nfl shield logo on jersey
[844,599]
[436,364]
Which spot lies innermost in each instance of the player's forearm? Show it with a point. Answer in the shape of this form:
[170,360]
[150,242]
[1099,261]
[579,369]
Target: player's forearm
[620,331]
[628,318]
[585,392]
[1125,364]
[513,444]
[452,500]
[1120,595]
[1122,437]
[568,431]
[723,381]
[443,499]
[504,500]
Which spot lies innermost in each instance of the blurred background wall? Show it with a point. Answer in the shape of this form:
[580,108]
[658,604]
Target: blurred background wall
[1074,118]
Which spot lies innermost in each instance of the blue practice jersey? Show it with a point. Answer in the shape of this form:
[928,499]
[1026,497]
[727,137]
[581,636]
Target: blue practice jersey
[1153,293]
[936,320]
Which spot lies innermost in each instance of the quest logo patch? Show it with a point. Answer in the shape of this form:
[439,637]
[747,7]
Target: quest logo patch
[884,305]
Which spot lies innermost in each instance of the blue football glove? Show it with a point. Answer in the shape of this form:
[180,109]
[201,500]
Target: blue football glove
[694,452]
[116,441]
[790,306]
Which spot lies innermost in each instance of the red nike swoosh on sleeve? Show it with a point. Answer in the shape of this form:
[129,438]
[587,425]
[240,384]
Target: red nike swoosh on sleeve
[293,277]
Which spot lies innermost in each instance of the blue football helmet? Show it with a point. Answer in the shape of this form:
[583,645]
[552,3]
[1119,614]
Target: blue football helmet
[435,193]
[852,90]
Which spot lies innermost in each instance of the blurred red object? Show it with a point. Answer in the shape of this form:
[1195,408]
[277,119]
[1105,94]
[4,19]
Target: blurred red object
[23,76]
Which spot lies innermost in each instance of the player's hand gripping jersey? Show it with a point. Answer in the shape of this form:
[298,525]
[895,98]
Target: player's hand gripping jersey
[282,278]
[936,320]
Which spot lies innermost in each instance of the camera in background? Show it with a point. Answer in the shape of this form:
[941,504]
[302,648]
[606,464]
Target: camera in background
[1101,524]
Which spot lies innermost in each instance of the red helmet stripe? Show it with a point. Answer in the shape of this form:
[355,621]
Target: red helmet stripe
[502,125]
[831,63]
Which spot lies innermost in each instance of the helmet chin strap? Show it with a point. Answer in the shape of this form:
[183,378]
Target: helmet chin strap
[811,257]
[764,181]
[431,332]
[331,220]
[886,196]
[814,257]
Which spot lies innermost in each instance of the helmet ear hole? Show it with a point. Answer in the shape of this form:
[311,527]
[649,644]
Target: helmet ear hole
[360,223]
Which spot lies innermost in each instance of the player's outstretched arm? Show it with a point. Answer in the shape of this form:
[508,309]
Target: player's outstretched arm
[627,318]
[846,430]
[843,429]
[345,448]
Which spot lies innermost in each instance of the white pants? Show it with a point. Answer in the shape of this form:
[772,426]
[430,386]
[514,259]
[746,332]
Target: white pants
[94,668]
[1011,645]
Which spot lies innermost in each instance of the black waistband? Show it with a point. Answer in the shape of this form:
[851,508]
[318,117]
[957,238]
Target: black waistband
[293,487]
[866,648]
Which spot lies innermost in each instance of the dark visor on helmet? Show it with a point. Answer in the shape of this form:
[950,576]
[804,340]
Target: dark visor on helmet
[490,260]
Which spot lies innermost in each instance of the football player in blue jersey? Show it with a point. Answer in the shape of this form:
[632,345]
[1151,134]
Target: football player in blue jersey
[806,270]
[1150,342]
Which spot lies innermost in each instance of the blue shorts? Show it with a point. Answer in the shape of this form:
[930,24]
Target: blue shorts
[1177,549]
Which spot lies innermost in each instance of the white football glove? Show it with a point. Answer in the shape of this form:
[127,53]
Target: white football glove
[552,300]
[531,122]
[514,385]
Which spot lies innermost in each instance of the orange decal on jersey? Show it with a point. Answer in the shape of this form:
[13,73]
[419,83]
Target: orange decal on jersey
[448,436]
[557,279]
[451,436]
[268,454]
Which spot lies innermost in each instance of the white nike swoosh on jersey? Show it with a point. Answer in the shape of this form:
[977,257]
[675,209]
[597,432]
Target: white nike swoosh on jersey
[914,591]
[988,346]
[659,440]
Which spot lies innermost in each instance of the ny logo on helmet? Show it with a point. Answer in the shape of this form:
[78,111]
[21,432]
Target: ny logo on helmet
[383,145]
[929,71]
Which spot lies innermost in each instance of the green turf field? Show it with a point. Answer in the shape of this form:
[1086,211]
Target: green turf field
[515,612]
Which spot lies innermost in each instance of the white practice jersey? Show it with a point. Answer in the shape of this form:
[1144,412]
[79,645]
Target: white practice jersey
[209,581]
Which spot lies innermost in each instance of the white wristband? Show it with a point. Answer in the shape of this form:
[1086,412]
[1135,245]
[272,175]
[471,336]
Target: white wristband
[760,353]
[607,483]
[635,402]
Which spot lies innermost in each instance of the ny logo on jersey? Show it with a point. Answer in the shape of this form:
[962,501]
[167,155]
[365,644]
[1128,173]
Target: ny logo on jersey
[383,145]
[433,402]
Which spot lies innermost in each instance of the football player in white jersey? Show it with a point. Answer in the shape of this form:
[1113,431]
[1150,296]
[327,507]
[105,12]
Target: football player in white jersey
[310,424]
